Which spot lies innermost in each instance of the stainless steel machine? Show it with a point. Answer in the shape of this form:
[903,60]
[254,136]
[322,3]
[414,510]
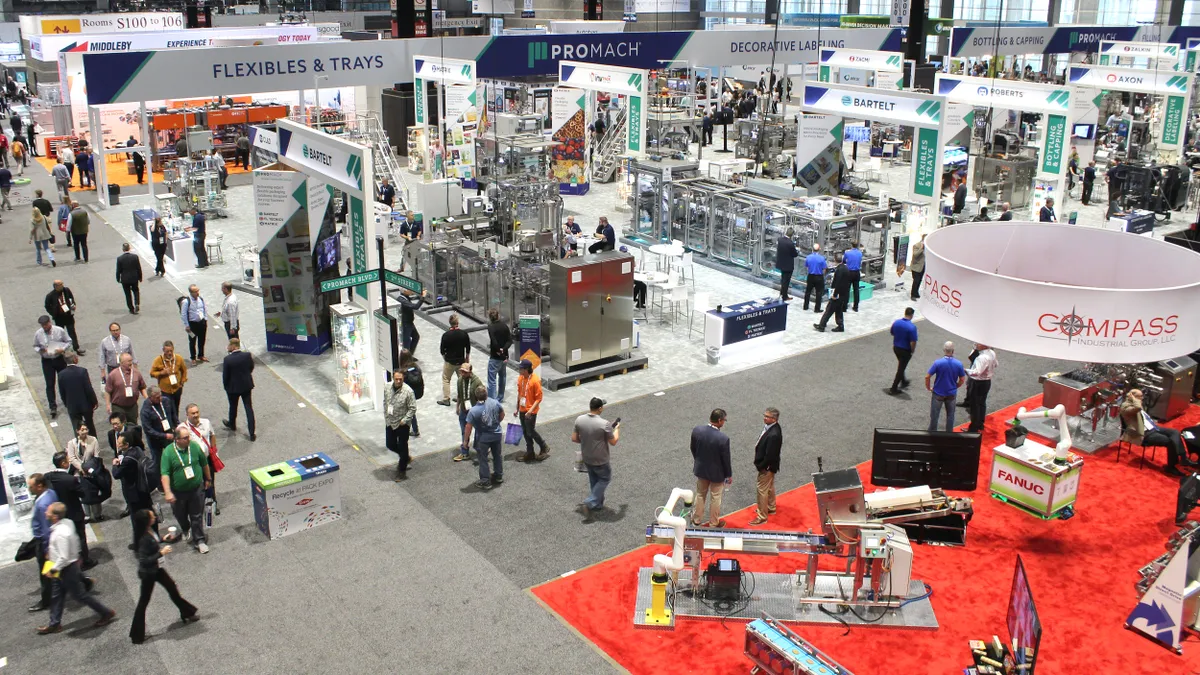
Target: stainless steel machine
[1005,179]
[508,124]
[770,136]
[500,157]
[525,203]
[591,309]
[654,196]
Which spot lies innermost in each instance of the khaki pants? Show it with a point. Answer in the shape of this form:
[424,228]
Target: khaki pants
[766,493]
[705,489]
[448,370]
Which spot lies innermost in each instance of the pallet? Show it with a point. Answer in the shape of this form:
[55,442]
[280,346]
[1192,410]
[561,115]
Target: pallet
[555,380]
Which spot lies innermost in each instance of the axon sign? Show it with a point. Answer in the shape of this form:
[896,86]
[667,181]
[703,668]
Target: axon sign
[1113,78]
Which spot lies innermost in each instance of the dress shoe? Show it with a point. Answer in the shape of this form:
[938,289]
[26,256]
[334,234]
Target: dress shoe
[54,413]
[89,564]
[46,630]
[81,352]
[38,607]
[819,327]
[445,402]
[123,513]
[894,391]
[228,425]
[112,614]
[839,329]
[253,438]
[1172,471]
[758,521]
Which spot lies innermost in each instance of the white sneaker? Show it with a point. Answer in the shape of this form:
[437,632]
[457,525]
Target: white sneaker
[202,547]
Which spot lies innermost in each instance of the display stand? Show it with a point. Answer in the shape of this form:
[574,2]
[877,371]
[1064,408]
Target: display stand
[352,357]
[744,326]
[1028,477]
[297,494]
[1169,591]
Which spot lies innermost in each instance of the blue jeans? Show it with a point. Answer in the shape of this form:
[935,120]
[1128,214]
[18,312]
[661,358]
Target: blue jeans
[497,374]
[598,478]
[462,428]
[496,447]
[935,410]
[70,582]
[40,246]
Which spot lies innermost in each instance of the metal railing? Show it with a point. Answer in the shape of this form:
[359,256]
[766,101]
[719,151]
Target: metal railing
[366,129]
[609,150]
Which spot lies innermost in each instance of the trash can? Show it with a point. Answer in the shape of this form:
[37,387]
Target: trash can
[714,355]
[114,194]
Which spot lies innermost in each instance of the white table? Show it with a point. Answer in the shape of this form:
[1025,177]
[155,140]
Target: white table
[650,278]
[667,251]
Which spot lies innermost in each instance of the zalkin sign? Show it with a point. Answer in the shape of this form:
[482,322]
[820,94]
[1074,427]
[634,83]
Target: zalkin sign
[1009,286]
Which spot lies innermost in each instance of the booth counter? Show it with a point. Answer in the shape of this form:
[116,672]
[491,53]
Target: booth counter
[297,494]
[181,254]
[1134,222]
[746,325]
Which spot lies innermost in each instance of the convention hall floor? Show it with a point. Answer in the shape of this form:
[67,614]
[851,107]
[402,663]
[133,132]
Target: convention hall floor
[437,568]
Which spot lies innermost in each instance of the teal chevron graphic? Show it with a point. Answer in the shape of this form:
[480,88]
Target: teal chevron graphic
[1059,98]
[893,61]
[635,80]
[301,195]
[1177,82]
[538,51]
[466,70]
[582,102]
[930,109]
[354,169]
[1172,50]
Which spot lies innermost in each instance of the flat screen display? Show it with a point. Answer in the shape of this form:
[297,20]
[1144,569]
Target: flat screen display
[1083,131]
[1024,627]
[855,133]
[328,253]
[903,458]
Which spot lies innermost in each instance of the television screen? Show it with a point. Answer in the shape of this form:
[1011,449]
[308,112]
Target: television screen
[856,133]
[328,253]
[1024,628]
[1083,131]
[903,458]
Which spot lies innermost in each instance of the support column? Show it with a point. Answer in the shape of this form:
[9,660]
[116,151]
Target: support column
[772,12]
[1055,9]
[1174,12]
[853,7]
[914,48]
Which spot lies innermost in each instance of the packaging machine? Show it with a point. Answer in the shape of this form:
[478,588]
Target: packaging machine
[867,531]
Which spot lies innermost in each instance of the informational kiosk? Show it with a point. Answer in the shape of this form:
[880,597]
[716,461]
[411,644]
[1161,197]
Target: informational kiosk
[923,112]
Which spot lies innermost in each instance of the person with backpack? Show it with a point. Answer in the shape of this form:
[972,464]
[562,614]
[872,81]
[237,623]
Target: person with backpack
[18,153]
[95,486]
[136,470]
[415,381]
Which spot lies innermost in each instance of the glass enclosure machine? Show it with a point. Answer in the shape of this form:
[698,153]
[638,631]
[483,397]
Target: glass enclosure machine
[655,197]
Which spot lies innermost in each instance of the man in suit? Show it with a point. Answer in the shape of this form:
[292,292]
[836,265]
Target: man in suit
[960,197]
[1089,182]
[158,418]
[712,468]
[785,262]
[238,377]
[1005,212]
[839,298]
[1046,215]
[60,305]
[67,488]
[1139,429]
[77,392]
[766,460]
[129,275]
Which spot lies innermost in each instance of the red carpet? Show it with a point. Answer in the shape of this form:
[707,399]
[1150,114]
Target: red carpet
[1081,571]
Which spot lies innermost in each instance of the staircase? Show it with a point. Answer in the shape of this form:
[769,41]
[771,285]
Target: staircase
[370,132]
[612,146]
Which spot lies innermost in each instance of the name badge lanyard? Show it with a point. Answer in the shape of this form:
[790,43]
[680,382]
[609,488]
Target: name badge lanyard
[171,372]
[128,383]
[161,411]
[188,471]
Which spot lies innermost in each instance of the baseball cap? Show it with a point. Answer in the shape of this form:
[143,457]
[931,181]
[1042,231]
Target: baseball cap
[527,364]
[597,403]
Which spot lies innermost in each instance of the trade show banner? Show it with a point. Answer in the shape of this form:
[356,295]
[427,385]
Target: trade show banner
[568,156]
[886,79]
[927,153]
[320,194]
[870,104]
[1085,113]
[862,58]
[46,47]
[960,119]
[462,122]
[1111,51]
[1129,79]
[819,153]
[629,82]
[154,76]
[102,23]
[1010,95]
[1072,310]
[1054,146]
[294,314]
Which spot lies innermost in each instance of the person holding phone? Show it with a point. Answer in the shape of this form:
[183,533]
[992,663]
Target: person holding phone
[595,435]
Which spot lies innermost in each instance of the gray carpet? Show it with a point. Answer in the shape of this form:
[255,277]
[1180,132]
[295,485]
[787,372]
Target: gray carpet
[388,585]
[830,400]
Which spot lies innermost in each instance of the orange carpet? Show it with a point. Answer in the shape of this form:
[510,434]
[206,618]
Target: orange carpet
[1082,573]
[117,172]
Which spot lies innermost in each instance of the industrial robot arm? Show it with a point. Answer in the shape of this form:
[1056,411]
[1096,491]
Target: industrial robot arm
[674,562]
[1058,413]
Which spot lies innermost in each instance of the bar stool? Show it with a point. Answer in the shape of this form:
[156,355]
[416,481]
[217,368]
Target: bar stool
[213,247]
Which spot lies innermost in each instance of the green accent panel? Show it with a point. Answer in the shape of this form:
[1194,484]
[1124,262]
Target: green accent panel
[275,475]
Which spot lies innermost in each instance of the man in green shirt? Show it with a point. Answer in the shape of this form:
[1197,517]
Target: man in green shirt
[185,477]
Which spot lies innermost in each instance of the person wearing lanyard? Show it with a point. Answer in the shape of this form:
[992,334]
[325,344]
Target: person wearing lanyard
[979,384]
[122,388]
[50,342]
[410,231]
[159,418]
[904,343]
[947,375]
[192,311]
[198,232]
[853,260]
[529,402]
[229,311]
[185,476]
[202,431]
[171,371]
[112,347]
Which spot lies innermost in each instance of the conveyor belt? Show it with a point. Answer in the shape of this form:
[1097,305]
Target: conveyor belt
[750,541]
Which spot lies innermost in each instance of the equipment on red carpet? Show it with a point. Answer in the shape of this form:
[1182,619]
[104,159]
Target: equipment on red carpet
[1014,436]
[1188,497]
[1019,657]
[939,459]
[864,531]
[723,580]
[1169,590]
[776,650]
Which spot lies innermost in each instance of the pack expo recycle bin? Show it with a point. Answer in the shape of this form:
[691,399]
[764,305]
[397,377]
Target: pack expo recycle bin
[298,494]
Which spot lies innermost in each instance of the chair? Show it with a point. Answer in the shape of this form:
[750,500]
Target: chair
[212,246]
[662,290]
[686,269]
[679,297]
[701,303]
[1122,444]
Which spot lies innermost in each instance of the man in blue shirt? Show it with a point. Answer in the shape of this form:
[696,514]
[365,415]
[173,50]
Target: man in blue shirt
[853,259]
[785,262]
[815,282]
[410,231]
[1046,215]
[387,193]
[40,488]
[904,343]
[192,311]
[197,229]
[484,419]
[609,241]
[948,375]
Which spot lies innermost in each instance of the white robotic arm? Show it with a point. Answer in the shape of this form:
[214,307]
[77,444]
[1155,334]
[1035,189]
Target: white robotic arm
[1058,413]
[673,562]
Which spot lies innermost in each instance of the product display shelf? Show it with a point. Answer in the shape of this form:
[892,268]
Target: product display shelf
[352,356]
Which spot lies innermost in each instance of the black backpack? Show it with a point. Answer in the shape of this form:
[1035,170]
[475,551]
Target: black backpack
[415,381]
[95,481]
[147,473]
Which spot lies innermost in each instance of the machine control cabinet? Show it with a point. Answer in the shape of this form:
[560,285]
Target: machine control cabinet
[591,309]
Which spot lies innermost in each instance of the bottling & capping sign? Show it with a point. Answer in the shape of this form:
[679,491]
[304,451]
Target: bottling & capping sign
[1056,135]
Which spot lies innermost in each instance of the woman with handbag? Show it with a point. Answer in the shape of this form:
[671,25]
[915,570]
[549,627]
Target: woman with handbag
[63,217]
[151,553]
[40,237]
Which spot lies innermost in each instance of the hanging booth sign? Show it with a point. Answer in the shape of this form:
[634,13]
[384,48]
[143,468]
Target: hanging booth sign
[629,82]
[1111,51]
[568,156]
[819,152]
[867,59]
[439,69]
[1175,86]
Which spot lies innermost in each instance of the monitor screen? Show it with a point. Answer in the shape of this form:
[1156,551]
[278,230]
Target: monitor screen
[1083,131]
[1024,627]
[903,458]
[328,253]
[855,133]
